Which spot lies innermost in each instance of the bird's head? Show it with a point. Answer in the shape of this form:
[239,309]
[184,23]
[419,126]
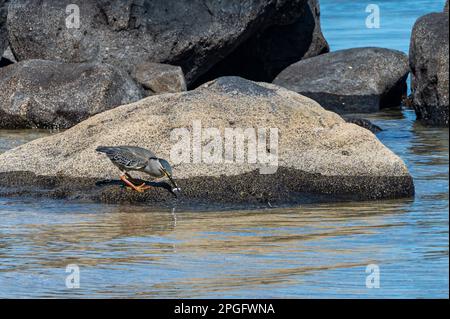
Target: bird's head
[165,167]
[166,170]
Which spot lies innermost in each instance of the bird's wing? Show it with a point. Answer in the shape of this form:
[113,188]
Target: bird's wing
[127,157]
[140,152]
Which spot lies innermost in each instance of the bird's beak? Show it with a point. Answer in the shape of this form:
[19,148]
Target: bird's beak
[171,180]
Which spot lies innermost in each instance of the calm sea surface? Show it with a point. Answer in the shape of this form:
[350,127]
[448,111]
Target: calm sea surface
[307,251]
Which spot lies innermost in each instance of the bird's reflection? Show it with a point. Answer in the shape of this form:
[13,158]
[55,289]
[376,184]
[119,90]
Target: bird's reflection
[156,184]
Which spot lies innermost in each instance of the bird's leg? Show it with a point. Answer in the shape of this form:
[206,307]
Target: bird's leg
[143,185]
[131,179]
[140,188]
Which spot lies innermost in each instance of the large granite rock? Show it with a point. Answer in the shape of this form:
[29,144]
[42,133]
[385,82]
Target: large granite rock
[429,63]
[353,80]
[317,151]
[48,94]
[193,34]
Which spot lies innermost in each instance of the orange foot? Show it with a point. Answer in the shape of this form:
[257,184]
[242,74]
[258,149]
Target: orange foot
[138,188]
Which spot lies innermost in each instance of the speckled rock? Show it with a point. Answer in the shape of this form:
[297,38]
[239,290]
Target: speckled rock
[429,63]
[9,55]
[48,94]
[317,153]
[193,34]
[353,80]
[7,58]
[3,28]
[157,78]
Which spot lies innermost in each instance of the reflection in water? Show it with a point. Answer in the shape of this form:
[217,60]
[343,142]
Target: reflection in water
[13,138]
[317,250]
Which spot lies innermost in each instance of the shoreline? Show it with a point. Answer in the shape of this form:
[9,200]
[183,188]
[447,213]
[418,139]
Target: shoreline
[286,187]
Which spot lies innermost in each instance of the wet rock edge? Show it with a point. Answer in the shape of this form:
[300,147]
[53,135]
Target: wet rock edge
[286,187]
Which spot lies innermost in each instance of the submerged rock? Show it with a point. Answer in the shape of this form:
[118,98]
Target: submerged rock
[159,78]
[48,94]
[313,151]
[429,61]
[353,80]
[364,123]
[193,34]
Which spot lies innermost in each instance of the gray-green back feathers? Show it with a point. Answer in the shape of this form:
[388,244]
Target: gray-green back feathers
[133,158]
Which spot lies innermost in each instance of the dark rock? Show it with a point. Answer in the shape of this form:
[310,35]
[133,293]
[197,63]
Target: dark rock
[429,61]
[159,78]
[446,7]
[353,80]
[3,28]
[263,56]
[47,94]
[193,34]
[9,55]
[5,62]
[233,85]
[364,123]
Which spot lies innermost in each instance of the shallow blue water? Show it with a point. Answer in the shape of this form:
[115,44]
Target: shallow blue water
[308,251]
[344,22]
